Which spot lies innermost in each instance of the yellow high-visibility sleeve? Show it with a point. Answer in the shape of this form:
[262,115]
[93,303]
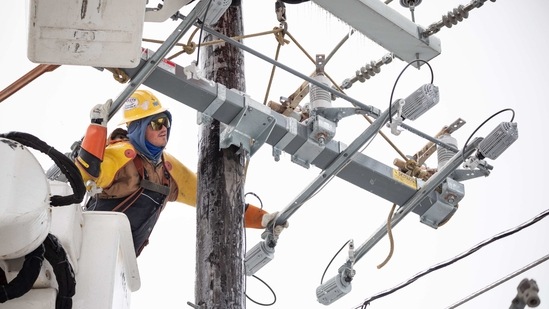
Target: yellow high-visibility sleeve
[116,156]
[184,178]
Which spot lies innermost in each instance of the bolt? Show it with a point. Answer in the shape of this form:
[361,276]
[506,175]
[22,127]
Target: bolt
[321,140]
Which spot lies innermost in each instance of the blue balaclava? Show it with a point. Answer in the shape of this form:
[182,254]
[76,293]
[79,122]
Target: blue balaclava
[136,134]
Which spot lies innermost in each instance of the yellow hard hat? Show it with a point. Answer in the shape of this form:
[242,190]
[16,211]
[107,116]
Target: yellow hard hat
[141,104]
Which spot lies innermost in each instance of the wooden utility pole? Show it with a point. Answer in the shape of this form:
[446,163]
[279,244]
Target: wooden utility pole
[220,278]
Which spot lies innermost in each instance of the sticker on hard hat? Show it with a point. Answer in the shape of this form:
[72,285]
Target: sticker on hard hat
[131,103]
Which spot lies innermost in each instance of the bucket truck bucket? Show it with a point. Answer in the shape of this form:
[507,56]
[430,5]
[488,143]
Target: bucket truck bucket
[101,33]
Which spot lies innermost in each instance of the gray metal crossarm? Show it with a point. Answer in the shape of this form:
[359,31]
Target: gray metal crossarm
[287,134]
[386,27]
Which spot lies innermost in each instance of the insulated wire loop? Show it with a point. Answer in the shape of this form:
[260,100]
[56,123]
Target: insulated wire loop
[263,304]
[399,75]
[257,197]
[484,122]
[330,263]
[462,255]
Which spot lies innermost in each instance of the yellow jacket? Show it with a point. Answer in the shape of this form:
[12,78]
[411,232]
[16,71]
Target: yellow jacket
[113,169]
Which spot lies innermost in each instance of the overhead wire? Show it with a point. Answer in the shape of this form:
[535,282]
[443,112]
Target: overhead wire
[460,256]
[502,280]
[202,30]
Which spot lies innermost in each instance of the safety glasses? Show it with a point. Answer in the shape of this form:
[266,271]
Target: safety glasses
[157,123]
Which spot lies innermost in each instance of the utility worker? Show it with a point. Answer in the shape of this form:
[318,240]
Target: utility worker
[133,172]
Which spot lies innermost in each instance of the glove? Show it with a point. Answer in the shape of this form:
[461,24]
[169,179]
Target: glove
[99,114]
[269,219]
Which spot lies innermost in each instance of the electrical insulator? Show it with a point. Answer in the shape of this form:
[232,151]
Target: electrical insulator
[319,96]
[410,3]
[495,143]
[333,290]
[455,16]
[444,155]
[420,101]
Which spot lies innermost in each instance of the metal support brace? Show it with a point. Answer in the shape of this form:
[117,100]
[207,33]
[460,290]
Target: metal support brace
[334,167]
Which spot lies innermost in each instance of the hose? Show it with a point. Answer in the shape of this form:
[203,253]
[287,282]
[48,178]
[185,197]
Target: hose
[68,168]
[25,278]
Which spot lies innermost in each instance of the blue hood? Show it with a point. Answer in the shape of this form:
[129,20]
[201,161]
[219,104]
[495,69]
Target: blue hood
[136,134]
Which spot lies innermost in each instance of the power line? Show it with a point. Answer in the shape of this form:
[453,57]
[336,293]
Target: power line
[480,245]
[500,281]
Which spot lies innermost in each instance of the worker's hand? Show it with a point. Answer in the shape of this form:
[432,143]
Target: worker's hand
[270,219]
[100,113]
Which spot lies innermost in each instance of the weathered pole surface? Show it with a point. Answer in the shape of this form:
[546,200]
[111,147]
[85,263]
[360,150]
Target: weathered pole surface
[220,278]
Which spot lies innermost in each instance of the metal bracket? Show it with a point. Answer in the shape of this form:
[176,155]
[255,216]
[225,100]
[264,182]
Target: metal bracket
[461,175]
[335,114]
[250,128]
[291,133]
[164,11]
[196,306]
[446,204]
[215,105]
[305,155]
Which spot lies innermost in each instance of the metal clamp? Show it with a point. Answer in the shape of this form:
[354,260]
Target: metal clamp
[250,128]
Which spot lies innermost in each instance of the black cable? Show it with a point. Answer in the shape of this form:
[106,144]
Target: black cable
[67,167]
[480,245]
[26,277]
[245,250]
[262,304]
[202,30]
[64,274]
[3,279]
[338,251]
[396,81]
[482,124]
[256,196]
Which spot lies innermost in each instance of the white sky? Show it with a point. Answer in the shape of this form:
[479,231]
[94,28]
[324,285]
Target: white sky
[495,59]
